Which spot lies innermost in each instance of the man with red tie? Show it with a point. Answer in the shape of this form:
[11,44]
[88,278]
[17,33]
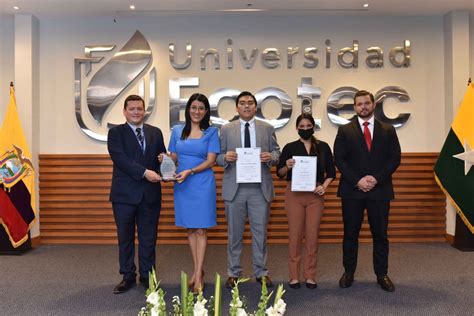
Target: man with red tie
[367,153]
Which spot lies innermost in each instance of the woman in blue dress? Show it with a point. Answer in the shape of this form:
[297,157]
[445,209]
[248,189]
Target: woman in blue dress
[194,146]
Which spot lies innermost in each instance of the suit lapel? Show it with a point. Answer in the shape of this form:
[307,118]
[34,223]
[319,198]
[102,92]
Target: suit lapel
[258,133]
[147,132]
[132,139]
[237,133]
[377,135]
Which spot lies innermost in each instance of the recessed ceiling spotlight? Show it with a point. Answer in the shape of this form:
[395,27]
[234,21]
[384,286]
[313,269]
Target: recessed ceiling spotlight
[366,5]
[16,7]
[132,7]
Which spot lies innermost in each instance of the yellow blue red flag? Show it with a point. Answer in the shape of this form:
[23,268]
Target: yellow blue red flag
[17,178]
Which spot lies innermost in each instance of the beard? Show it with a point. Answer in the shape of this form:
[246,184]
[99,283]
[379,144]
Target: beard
[365,114]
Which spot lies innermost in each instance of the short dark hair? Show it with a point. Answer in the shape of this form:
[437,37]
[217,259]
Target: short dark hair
[362,93]
[133,97]
[244,94]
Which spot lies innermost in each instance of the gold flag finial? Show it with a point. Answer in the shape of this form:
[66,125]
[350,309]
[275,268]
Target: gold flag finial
[469,81]
[12,85]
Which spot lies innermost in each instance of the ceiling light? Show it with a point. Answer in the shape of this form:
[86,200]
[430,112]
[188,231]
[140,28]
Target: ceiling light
[366,5]
[132,7]
[16,7]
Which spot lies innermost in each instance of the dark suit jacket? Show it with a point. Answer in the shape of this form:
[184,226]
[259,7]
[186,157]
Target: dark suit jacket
[128,184]
[354,160]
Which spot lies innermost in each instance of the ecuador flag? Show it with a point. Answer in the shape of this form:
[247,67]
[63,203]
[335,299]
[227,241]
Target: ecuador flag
[453,170]
[17,182]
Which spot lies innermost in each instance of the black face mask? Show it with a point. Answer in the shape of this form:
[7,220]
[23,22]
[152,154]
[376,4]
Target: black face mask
[306,133]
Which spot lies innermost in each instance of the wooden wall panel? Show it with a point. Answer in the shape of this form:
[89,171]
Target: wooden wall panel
[74,206]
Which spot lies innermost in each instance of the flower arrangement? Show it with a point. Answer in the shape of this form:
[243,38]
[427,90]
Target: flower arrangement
[190,305]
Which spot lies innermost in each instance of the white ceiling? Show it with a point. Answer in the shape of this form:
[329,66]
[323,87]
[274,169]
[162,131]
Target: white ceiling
[77,8]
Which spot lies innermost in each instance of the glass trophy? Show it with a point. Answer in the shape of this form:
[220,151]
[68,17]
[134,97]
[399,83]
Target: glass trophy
[168,169]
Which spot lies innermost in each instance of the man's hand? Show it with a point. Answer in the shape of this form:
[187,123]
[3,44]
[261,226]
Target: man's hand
[371,180]
[366,183]
[152,176]
[230,156]
[265,157]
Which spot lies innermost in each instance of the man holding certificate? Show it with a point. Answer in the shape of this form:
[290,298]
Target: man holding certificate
[248,150]
[308,166]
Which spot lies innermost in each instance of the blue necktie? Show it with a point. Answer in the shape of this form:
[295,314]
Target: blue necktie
[138,130]
[247,136]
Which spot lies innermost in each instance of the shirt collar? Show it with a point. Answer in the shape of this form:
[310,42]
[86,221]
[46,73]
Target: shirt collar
[134,127]
[371,121]
[251,122]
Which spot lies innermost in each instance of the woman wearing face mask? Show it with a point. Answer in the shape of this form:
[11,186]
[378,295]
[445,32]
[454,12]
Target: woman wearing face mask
[305,209]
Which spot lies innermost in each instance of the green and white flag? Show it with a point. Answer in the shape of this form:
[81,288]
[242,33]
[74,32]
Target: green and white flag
[453,170]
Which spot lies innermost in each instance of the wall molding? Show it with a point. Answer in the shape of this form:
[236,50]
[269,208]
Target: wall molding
[74,206]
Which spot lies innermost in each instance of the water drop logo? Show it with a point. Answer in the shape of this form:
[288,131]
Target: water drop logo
[123,71]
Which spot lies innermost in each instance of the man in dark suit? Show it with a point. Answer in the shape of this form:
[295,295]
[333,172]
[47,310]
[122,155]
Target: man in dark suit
[367,153]
[136,191]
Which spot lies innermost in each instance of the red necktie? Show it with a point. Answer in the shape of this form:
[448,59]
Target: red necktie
[368,139]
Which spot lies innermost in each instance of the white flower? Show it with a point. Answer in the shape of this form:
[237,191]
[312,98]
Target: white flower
[155,311]
[153,298]
[237,304]
[280,306]
[241,311]
[200,308]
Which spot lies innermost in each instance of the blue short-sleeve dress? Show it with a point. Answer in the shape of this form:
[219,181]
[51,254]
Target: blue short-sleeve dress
[195,197]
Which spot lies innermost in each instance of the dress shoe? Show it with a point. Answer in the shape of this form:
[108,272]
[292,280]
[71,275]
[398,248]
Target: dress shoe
[268,281]
[295,285]
[124,286]
[145,281]
[385,283]
[311,286]
[346,280]
[230,283]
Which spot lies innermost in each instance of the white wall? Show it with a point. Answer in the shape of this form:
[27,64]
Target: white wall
[62,40]
[471,52]
[7,46]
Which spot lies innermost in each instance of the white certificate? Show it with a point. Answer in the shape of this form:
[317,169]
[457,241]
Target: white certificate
[248,165]
[303,174]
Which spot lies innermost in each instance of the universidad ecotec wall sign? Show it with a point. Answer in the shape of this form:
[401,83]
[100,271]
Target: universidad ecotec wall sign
[132,63]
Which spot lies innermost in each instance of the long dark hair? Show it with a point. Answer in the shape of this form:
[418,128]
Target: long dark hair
[314,150]
[204,124]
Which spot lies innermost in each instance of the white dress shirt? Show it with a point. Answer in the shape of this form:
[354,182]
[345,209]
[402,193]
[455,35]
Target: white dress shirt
[253,137]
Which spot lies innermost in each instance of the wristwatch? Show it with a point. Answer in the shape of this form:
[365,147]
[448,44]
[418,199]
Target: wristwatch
[192,171]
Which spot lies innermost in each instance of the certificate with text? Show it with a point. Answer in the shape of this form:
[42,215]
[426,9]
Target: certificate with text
[248,165]
[303,174]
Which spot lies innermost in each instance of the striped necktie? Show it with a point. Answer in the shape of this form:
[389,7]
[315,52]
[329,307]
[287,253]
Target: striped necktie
[138,130]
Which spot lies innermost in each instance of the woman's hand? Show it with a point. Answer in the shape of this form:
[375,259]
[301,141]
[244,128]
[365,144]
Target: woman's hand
[320,190]
[180,177]
[290,163]
[160,157]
